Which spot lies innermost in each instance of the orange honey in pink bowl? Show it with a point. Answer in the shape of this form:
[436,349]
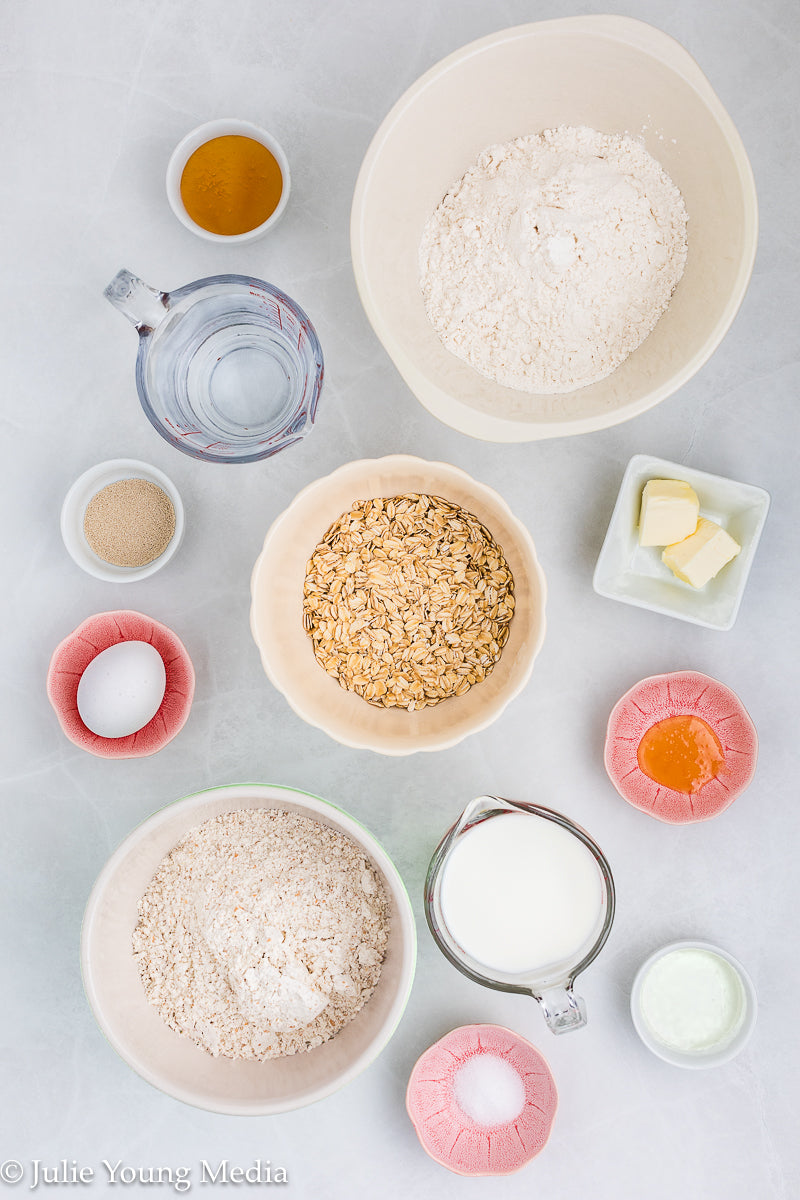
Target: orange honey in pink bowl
[680,747]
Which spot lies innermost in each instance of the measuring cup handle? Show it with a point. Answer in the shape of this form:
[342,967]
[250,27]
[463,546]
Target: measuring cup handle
[562,1009]
[142,305]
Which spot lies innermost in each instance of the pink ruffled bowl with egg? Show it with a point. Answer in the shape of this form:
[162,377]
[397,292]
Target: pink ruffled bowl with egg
[96,634]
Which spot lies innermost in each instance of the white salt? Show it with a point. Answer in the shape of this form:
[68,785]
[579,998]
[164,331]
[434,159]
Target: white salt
[489,1090]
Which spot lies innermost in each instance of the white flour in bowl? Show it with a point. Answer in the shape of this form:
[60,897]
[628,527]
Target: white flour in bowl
[553,258]
[261,934]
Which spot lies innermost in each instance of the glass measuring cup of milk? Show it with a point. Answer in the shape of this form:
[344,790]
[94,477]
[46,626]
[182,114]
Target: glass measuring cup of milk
[229,368]
[521,899]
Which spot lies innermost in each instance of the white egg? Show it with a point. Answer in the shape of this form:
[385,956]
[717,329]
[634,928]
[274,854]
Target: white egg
[122,689]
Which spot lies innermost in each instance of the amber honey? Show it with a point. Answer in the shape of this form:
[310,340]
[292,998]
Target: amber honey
[231,184]
[682,753]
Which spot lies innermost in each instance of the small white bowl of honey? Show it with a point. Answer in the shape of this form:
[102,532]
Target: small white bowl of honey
[228,181]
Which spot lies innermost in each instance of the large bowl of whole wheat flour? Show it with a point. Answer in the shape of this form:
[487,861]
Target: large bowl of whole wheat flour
[614,78]
[178,1059]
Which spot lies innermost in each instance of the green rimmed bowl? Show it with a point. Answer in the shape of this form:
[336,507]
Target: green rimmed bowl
[173,1063]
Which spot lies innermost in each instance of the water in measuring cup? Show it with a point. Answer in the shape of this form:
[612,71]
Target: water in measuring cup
[222,366]
[520,893]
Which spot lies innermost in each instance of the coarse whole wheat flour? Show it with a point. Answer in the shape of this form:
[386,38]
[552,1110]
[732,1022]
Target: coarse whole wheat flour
[261,934]
[553,258]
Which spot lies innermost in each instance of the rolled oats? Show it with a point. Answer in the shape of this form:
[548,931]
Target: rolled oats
[408,600]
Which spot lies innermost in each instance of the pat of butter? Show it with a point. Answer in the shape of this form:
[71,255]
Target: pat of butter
[669,512]
[702,555]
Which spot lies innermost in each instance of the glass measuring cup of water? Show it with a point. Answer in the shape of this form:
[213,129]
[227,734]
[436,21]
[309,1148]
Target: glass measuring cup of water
[521,899]
[229,368]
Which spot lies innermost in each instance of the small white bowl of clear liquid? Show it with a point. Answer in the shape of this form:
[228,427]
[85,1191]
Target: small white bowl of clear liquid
[229,369]
[693,1004]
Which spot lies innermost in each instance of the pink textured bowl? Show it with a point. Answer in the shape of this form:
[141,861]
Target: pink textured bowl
[71,658]
[680,693]
[491,1142]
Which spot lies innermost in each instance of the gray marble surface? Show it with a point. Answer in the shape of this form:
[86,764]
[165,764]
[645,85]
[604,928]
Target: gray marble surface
[94,97]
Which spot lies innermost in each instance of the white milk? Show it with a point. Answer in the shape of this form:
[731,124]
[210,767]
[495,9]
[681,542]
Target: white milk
[693,1001]
[520,893]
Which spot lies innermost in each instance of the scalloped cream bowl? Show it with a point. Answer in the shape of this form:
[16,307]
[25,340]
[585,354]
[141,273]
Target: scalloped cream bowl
[613,74]
[276,613]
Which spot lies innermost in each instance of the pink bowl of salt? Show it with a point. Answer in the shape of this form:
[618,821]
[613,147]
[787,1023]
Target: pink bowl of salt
[482,1101]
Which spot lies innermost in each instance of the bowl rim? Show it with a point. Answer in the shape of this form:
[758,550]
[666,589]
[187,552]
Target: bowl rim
[449,409]
[677,1058]
[222,127]
[408,461]
[270,794]
[85,488]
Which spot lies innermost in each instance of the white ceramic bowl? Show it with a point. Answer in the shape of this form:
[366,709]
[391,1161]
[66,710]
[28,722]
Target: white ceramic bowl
[73,512]
[276,613]
[174,1063]
[224,127]
[711,1058]
[613,74]
[636,575]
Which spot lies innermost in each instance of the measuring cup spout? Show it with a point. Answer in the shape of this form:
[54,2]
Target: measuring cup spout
[142,305]
[479,807]
[562,1009]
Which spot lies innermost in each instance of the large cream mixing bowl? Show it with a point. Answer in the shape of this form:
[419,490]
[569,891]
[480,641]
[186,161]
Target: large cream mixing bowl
[173,1063]
[612,74]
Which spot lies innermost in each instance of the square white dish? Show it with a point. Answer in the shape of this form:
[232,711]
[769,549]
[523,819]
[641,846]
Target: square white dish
[636,575]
